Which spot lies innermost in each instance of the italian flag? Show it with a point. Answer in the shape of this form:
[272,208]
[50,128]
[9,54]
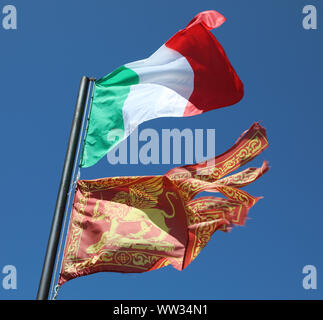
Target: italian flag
[188,75]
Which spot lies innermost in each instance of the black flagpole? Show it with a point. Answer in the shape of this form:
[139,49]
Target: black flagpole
[49,262]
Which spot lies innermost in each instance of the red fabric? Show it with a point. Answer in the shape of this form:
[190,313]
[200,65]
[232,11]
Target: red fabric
[211,19]
[216,83]
[138,224]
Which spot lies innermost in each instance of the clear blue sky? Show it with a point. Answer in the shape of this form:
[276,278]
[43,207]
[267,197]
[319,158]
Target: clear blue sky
[281,66]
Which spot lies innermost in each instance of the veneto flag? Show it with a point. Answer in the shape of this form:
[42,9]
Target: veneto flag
[188,75]
[138,224]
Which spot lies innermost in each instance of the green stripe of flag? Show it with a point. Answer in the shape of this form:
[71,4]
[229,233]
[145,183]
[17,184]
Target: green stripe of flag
[110,93]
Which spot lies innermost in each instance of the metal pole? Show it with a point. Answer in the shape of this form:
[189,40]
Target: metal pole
[49,262]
